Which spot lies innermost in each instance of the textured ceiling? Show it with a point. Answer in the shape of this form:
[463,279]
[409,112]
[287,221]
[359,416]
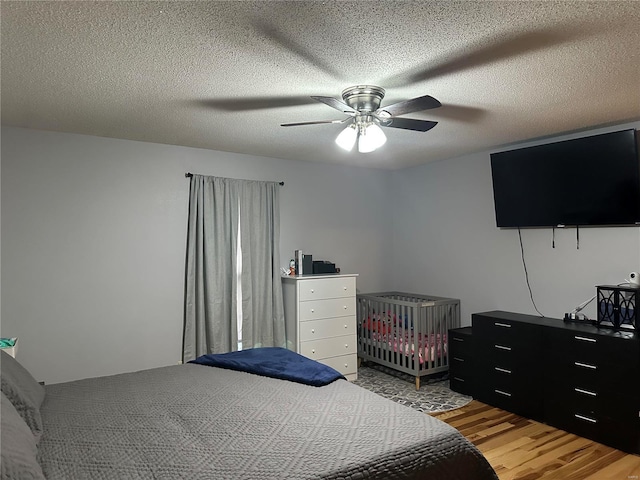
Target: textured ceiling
[225,75]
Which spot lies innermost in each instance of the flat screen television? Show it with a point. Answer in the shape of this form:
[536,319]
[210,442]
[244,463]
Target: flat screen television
[592,180]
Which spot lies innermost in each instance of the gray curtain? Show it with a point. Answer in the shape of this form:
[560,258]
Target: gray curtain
[218,208]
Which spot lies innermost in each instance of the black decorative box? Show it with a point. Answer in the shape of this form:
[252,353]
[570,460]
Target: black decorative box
[617,307]
[323,266]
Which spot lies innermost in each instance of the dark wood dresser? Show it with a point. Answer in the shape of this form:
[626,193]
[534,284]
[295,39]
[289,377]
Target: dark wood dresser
[576,377]
[461,358]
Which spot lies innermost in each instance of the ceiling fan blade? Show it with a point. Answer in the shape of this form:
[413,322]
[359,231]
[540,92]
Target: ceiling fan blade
[460,113]
[236,104]
[299,49]
[335,103]
[409,124]
[409,106]
[491,50]
[313,123]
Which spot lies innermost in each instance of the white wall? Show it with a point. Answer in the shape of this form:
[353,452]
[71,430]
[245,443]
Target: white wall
[94,232]
[446,243]
[93,236]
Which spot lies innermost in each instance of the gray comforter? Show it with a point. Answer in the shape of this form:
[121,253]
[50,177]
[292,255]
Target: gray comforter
[197,422]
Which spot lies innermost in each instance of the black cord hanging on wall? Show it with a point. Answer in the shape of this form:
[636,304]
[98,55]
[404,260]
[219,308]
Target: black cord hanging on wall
[526,274]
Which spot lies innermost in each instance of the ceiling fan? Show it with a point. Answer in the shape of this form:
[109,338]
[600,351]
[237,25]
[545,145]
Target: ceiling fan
[366,116]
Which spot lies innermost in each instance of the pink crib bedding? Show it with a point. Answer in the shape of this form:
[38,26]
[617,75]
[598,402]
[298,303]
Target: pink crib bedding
[429,346]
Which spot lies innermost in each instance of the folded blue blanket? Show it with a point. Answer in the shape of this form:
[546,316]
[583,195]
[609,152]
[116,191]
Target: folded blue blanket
[273,362]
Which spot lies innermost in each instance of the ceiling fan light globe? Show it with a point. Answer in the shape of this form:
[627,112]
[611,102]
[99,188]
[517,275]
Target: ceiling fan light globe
[371,138]
[347,138]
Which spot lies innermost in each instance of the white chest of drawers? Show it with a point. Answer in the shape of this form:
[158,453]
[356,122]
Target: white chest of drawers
[320,316]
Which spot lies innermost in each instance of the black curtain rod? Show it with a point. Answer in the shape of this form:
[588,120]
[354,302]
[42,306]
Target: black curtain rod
[189,175]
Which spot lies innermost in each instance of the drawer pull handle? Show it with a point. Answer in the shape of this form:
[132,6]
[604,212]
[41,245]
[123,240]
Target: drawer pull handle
[503,370]
[586,419]
[458,359]
[313,310]
[585,339]
[346,326]
[458,339]
[503,325]
[313,330]
[586,392]
[459,379]
[506,394]
[345,307]
[313,351]
[585,365]
[312,290]
[346,345]
[502,347]
[344,288]
[346,365]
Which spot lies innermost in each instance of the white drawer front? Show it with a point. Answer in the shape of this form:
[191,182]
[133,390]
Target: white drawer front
[346,364]
[328,347]
[320,288]
[332,307]
[327,327]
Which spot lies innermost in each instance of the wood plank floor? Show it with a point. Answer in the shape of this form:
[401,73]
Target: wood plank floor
[522,449]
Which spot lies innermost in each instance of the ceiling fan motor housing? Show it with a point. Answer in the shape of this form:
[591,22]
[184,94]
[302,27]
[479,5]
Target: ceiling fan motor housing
[362,104]
[363,98]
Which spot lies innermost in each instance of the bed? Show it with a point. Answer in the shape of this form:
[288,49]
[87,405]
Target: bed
[201,422]
[406,331]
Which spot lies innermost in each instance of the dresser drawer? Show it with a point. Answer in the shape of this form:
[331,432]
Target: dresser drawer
[519,401]
[583,370]
[461,384]
[460,342]
[327,327]
[461,375]
[329,347]
[612,350]
[583,375]
[572,344]
[575,419]
[616,405]
[621,434]
[332,307]
[505,331]
[461,366]
[321,288]
[506,355]
[345,364]
[519,379]
[566,396]
[599,403]
[512,376]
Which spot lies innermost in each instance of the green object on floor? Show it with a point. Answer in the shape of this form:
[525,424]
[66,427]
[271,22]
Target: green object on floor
[7,342]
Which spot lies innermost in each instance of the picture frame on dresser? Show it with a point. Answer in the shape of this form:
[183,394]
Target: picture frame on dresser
[320,319]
